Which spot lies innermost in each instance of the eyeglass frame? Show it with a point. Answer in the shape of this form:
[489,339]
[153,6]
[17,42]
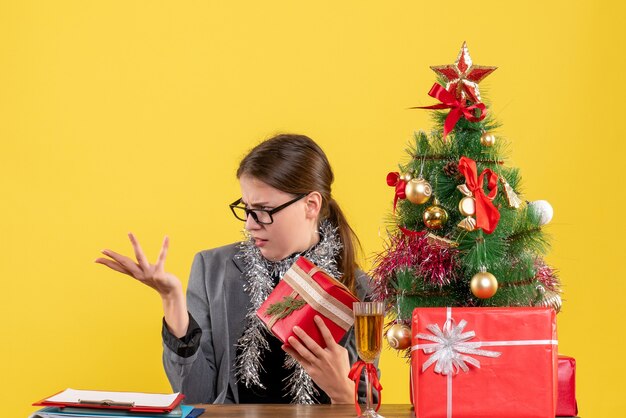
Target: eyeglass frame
[270,212]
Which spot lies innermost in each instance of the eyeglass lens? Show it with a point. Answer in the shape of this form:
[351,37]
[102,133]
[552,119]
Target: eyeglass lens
[259,216]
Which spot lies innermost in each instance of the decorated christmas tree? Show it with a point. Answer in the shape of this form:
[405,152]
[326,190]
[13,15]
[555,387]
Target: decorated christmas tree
[460,233]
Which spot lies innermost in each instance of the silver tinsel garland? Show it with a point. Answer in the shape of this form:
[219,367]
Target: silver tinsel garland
[253,344]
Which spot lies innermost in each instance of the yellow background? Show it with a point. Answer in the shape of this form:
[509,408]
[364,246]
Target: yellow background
[120,116]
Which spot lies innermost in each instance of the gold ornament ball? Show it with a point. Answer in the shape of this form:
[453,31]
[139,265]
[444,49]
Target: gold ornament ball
[467,206]
[399,336]
[418,191]
[406,176]
[488,139]
[484,285]
[435,217]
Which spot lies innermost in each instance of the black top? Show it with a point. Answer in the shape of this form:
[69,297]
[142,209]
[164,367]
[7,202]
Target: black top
[273,376]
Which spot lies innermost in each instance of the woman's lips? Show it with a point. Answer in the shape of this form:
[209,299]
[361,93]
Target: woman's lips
[260,242]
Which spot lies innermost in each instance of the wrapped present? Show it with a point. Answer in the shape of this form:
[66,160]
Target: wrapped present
[303,292]
[566,404]
[484,362]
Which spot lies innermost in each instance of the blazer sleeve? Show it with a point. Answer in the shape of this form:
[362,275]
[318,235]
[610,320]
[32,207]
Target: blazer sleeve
[189,368]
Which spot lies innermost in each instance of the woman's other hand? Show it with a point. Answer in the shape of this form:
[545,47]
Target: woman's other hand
[154,276]
[328,367]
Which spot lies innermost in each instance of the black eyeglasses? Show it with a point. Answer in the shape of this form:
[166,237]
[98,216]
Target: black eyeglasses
[260,216]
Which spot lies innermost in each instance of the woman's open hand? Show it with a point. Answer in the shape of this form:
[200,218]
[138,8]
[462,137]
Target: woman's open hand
[155,276]
[328,367]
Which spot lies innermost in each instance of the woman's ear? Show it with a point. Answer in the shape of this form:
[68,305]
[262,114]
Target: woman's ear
[313,205]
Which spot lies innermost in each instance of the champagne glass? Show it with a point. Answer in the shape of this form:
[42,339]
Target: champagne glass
[368,330]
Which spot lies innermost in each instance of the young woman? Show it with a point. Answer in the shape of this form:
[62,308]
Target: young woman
[215,350]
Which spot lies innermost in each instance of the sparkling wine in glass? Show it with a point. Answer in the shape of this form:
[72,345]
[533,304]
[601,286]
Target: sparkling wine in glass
[368,330]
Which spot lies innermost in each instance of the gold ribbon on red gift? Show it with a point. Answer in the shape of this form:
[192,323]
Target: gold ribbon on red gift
[308,289]
[457,108]
[372,375]
[394,180]
[487,215]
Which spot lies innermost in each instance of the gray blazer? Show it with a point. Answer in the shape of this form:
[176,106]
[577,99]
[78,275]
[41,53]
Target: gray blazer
[217,301]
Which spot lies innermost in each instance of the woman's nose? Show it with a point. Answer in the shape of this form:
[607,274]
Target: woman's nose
[251,224]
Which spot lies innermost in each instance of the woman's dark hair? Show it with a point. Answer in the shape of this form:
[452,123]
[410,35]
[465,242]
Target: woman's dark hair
[295,164]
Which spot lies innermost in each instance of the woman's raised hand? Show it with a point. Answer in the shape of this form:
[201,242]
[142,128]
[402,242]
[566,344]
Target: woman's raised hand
[155,276]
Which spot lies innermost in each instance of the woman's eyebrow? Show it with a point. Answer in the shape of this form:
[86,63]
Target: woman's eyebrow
[256,204]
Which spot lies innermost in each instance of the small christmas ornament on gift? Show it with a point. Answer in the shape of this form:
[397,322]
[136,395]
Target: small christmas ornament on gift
[303,292]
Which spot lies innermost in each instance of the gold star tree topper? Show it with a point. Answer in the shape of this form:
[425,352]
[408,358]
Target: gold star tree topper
[463,76]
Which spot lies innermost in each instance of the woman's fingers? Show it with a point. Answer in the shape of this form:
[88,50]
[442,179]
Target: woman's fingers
[305,354]
[163,254]
[125,262]
[113,265]
[152,275]
[293,353]
[139,255]
[326,334]
[310,343]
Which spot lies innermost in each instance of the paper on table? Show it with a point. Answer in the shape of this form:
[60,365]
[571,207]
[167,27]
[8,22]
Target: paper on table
[156,400]
[55,412]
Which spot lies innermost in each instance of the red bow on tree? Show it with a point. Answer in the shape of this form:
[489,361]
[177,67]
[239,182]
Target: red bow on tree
[458,108]
[393,180]
[372,375]
[487,215]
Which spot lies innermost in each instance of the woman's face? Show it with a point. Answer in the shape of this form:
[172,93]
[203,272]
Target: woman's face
[294,228]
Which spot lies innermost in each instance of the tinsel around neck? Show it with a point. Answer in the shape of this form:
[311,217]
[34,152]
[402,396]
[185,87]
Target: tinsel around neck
[259,273]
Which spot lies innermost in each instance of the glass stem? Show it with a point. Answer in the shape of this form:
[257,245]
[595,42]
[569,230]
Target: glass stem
[368,392]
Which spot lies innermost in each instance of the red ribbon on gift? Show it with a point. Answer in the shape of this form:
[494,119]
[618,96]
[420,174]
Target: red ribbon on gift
[487,215]
[393,180]
[372,375]
[458,108]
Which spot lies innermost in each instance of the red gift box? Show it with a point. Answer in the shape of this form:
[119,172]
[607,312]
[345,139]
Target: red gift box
[303,292]
[566,405]
[484,362]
